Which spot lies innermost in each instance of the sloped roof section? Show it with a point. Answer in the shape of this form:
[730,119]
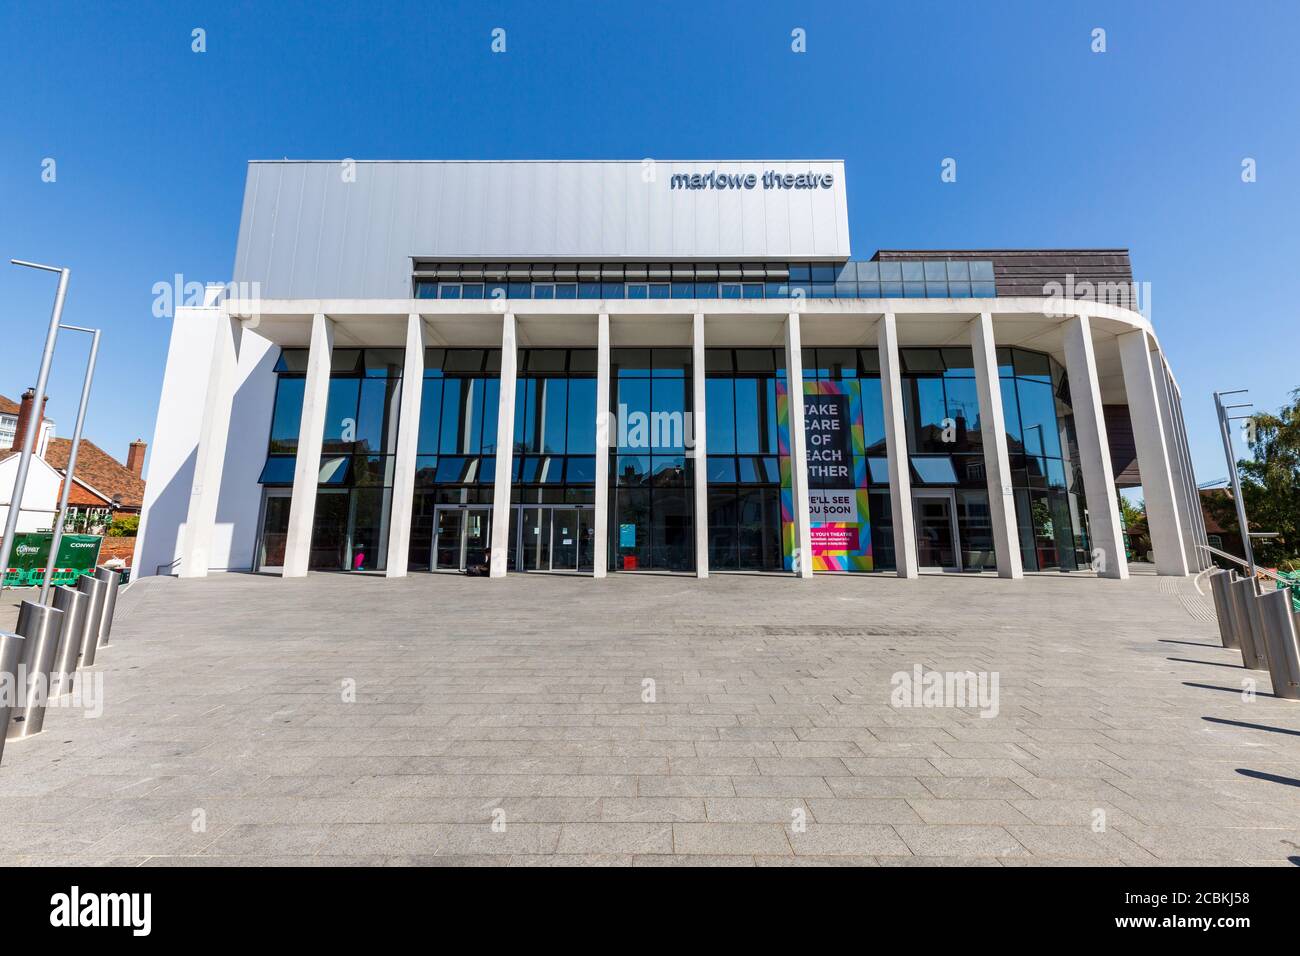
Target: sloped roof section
[8,406]
[99,469]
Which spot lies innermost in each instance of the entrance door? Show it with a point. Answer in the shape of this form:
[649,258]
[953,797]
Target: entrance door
[554,538]
[535,539]
[478,537]
[586,539]
[461,537]
[564,540]
[936,530]
[329,533]
[275,529]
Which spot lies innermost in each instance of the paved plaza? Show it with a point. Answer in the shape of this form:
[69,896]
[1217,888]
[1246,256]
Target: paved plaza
[647,719]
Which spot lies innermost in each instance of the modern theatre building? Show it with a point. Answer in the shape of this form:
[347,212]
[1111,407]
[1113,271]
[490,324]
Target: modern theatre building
[649,366]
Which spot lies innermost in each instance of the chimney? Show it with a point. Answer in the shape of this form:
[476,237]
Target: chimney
[135,457]
[25,417]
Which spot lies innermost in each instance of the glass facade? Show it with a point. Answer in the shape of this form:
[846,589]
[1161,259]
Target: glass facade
[353,503]
[553,475]
[933,278]
[743,441]
[652,510]
[652,519]
[455,462]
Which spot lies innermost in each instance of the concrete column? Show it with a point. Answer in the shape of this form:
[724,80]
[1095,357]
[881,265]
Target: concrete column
[1153,454]
[311,435]
[408,443]
[505,449]
[798,445]
[1177,466]
[900,474]
[701,451]
[1094,449]
[997,462]
[600,552]
[210,455]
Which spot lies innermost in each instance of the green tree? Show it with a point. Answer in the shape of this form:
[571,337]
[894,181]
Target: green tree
[1270,485]
[124,526]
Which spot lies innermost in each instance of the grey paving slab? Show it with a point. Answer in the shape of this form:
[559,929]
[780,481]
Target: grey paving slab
[436,719]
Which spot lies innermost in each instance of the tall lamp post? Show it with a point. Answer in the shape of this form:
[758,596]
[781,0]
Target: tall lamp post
[29,438]
[61,515]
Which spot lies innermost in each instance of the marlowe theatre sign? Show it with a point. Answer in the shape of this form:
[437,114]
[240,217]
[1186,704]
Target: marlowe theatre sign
[769,180]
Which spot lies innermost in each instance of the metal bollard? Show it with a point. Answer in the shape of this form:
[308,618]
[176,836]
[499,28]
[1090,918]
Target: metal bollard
[1220,582]
[94,589]
[114,581]
[1279,632]
[73,604]
[41,625]
[11,653]
[1243,595]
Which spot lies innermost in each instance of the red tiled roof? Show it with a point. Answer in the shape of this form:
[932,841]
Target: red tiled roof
[98,469]
[8,406]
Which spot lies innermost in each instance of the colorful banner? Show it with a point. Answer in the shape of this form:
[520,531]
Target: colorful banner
[839,509]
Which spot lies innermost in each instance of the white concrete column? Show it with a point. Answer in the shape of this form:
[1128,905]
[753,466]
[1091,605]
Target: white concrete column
[210,455]
[505,449]
[311,435]
[997,462]
[900,473]
[1094,449]
[600,552]
[408,443]
[701,451]
[1177,468]
[1153,454]
[798,444]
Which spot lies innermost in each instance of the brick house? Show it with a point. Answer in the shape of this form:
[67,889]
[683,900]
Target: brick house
[102,487]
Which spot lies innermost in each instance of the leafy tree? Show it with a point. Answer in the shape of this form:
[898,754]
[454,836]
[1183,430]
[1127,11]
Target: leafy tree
[1270,485]
[124,526]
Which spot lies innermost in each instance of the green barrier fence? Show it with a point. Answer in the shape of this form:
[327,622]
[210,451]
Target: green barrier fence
[78,555]
[1291,580]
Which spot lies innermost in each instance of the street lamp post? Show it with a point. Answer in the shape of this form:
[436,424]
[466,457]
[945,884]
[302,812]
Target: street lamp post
[29,438]
[62,513]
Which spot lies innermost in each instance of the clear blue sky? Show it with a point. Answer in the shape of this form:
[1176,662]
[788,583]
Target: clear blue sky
[1057,146]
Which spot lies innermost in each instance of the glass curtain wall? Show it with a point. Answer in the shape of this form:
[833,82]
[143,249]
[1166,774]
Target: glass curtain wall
[1050,507]
[456,450]
[945,445]
[946,449]
[652,519]
[554,467]
[354,499]
[744,477]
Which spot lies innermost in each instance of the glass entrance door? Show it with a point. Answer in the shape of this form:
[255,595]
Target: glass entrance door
[564,545]
[329,533]
[554,538]
[275,529]
[936,530]
[535,539]
[461,537]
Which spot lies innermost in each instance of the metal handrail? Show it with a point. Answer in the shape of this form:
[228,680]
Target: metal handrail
[1259,572]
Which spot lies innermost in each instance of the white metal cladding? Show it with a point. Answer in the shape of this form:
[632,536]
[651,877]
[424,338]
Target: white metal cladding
[309,230]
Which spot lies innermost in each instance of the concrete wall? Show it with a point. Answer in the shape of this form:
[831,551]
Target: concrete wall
[325,229]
